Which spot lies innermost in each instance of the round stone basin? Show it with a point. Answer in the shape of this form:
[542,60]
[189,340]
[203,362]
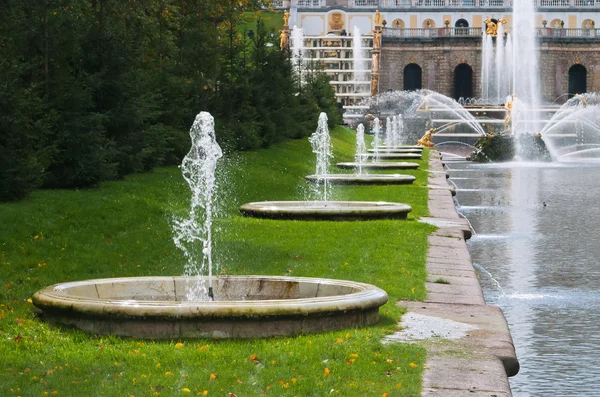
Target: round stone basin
[392,156]
[326,210]
[362,179]
[244,306]
[416,147]
[394,151]
[380,166]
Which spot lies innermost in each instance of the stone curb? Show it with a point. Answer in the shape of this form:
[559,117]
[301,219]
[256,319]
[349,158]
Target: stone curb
[479,362]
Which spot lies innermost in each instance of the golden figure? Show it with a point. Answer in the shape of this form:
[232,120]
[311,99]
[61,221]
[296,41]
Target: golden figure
[336,21]
[374,84]
[286,18]
[377,19]
[283,38]
[376,39]
[508,106]
[582,100]
[491,27]
[375,66]
[425,141]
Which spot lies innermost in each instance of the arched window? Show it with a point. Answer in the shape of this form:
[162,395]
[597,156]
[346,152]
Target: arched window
[413,77]
[556,24]
[577,80]
[428,24]
[398,23]
[588,24]
[463,81]
[461,23]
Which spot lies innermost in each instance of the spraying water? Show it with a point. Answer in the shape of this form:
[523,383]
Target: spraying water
[198,169]
[389,127]
[376,138]
[525,69]
[360,61]
[401,139]
[297,38]
[321,146]
[361,148]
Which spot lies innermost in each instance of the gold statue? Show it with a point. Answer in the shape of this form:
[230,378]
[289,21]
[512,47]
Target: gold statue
[374,84]
[582,100]
[425,141]
[375,61]
[491,27]
[286,18]
[377,19]
[283,38]
[508,106]
[376,39]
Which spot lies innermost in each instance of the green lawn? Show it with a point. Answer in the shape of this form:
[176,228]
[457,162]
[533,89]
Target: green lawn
[273,21]
[123,229]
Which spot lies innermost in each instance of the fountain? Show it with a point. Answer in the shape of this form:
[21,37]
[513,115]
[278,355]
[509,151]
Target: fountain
[360,164]
[332,210]
[321,147]
[231,307]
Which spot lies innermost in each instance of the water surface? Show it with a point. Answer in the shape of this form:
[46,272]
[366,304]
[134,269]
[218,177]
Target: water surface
[536,249]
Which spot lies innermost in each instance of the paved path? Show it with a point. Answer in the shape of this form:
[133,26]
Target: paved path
[470,350]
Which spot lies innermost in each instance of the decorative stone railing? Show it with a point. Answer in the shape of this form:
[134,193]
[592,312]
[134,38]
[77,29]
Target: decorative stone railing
[432,33]
[383,4]
[311,3]
[557,33]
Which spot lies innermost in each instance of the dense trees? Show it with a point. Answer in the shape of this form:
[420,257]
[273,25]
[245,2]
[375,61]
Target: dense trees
[92,90]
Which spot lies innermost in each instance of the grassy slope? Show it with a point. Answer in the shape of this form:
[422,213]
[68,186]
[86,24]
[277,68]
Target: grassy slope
[272,19]
[123,229]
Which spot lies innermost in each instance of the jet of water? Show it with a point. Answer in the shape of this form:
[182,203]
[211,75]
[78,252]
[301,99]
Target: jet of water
[376,138]
[361,148]
[198,169]
[321,146]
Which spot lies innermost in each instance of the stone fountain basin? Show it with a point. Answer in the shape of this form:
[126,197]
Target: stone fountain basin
[362,179]
[392,156]
[415,147]
[244,306]
[326,210]
[392,151]
[380,166]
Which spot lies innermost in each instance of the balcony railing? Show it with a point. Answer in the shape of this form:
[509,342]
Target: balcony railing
[457,3]
[477,32]
[432,33]
[312,3]
[569,33]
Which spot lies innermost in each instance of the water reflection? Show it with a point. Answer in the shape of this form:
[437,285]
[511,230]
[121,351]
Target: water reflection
[536,236]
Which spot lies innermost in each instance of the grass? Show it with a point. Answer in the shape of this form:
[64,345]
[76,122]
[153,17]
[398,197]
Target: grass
[441,281]
[123,229]
[273,20]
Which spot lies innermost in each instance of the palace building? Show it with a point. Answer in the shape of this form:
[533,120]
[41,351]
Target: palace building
[437,44]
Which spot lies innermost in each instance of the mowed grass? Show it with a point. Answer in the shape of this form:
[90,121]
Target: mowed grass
[123,228]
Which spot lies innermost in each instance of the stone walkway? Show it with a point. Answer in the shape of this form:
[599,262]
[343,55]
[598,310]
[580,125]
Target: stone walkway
[470,350]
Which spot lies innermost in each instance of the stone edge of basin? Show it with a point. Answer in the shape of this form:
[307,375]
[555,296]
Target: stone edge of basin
[379,166]
[363,179]
[223,319]
[347,211]
[492,357]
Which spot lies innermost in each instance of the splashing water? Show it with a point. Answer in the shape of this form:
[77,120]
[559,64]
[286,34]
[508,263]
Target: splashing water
[376,138]
[389,131]
[198,169]
[361,148]
[321,146]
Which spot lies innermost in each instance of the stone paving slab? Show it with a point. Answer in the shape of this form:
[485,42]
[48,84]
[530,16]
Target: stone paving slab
[460,377]
[449,223]
[478,363]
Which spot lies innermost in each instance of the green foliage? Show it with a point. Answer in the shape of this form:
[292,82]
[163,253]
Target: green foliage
[95,90]
[114,231]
